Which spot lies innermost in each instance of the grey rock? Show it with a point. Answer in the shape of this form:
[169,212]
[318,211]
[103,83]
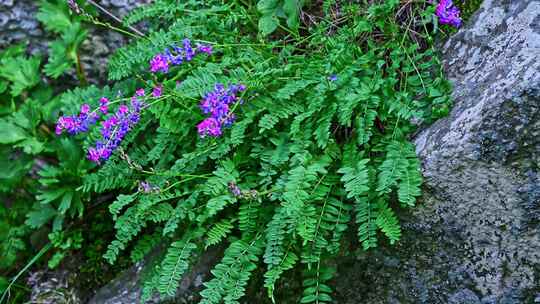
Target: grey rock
[464,296]
[476,234]
[55,286]
[127,287]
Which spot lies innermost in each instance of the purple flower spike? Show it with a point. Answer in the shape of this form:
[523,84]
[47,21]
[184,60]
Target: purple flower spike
[176,55]
[218,104]
[114,129]
[448,13]
[75,124]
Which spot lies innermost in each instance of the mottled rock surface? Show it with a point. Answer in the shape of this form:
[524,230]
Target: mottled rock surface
[127,287]
[18,23]
[475,238]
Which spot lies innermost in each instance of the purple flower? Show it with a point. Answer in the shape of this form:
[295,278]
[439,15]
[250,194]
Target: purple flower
[85,108]
[75,124]
[104,105]
[209,126]
[156,92]
[332,77]
[113,131]
[177,55]
[234,189]
[188,50]
[123,109]
[204,49]
[448,13]
[94,155]
[218,103]
[159,64]
[139,92]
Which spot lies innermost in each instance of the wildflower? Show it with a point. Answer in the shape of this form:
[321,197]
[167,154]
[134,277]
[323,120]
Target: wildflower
[146,187]
[209,126]
[159,64]
[75,124]
[448,13]
[332,77]
[188,50]
[85,108]
[156,92]
[74,7]
[234,189]
[177,55]
[204,49]
[139,92]
[114,129]
[103,105]
[217,104]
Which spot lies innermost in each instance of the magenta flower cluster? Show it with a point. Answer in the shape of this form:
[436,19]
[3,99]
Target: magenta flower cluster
[75,124]
[114,128]
[448,13]
[177,55]
[218,105]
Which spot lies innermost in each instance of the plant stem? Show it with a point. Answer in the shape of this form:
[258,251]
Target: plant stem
[28,265]
[116,19]
[80,70]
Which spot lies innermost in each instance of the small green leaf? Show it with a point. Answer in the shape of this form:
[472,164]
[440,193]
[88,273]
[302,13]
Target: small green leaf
[65,203]
[55,260]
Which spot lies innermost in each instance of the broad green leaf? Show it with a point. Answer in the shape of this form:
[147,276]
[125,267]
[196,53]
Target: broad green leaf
[31,145]
[10,133]
[268,24]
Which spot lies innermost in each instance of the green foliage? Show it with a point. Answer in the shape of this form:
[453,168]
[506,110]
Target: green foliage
[175,263]
[272,10]
[232,274]
[468,7]
[63,52]
[63,242]
[20,72]
[321,143]
[306,155]
[40,172]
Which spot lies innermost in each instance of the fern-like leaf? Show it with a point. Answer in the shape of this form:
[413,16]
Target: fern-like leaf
[232,274]
[174,265]
[218,232]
